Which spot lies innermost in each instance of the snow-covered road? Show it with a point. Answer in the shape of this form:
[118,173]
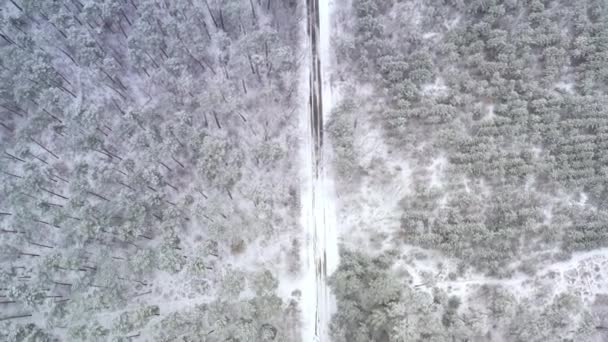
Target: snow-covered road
[318,209]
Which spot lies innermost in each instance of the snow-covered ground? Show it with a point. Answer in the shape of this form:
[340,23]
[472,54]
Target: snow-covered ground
[318,199]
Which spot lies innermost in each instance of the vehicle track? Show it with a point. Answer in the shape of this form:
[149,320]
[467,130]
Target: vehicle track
[317,223]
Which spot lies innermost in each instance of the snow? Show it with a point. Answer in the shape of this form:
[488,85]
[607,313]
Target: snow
[436,169]
[435,89]
[369,214]
[307,280]
[580,275]
[567,87]
[429,35]
[320,249]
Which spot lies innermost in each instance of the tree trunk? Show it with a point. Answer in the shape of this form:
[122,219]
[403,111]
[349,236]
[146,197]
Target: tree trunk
[73,218]
[211,14]
[253,69]
[59,177]
[253,12]
[178,163]
[101,131]
[117,92]
[122,30]
[78,4]
[15,4]
[171,186]
[206,125]
[165,165]
[204,24]
[39,159]
[65,36]
[68,55]
[44,148]
[125,185]
[164,52]
[11,174]
[152,59]
[125,16]
[222,20]
[29,254]
[217,121]
[54,193]
[45,223]
[14,317]
[7,39]
[244,86]
[12,110]
[118,107]
[11,231]
[97,195]
[111,154]
[40,245]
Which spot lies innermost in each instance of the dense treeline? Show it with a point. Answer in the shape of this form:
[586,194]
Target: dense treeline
[374,305]
[139,139]
[512,95]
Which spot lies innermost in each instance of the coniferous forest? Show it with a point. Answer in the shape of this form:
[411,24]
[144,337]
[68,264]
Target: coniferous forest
[470,148]
[157,182]
[141,141]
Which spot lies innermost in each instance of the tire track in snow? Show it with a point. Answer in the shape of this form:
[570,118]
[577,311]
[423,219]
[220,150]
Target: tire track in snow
[318,227]
[315,84]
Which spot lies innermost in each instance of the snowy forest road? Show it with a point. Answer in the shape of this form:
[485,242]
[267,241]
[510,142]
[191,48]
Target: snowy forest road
[317,200]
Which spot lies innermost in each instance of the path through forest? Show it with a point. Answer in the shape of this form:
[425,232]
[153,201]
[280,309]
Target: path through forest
[318,213]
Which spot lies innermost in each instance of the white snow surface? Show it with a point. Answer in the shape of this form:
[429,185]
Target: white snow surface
[320,250]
